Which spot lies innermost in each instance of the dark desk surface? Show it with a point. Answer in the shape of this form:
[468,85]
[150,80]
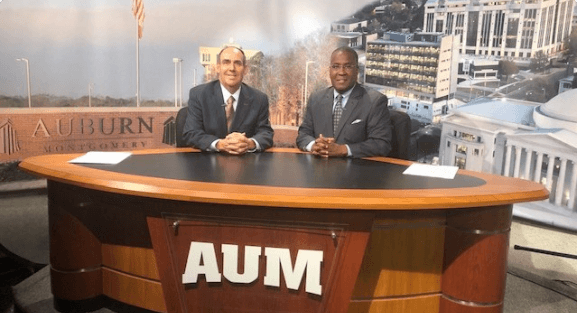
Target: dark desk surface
[282,170]
[285,178]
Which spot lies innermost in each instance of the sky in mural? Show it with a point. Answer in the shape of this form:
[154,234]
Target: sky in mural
[72,43]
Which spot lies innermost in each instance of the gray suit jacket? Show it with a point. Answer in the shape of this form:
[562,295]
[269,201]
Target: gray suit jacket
[206,120]
[365,124]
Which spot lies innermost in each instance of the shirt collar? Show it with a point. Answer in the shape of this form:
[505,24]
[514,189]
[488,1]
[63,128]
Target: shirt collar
[226,94]
[345,95]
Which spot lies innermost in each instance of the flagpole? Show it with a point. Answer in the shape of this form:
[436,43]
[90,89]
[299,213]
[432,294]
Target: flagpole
[137,66]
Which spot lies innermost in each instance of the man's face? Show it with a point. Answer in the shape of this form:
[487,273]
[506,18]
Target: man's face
[231,68]
[343,71]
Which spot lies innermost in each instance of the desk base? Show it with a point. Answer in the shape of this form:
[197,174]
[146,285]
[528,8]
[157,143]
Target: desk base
[424,260]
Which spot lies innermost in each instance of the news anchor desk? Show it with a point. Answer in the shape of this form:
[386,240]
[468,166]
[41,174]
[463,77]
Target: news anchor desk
[282,231]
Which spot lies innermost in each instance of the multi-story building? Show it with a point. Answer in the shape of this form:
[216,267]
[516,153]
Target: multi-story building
[520,139]
[348,25]
[418,72]
[352,32]
[507,29]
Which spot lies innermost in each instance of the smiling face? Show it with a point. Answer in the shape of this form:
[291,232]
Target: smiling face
[231,68]
[343,70]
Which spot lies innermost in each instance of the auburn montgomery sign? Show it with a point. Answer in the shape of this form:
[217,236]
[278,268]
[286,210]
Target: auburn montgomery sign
[26,132]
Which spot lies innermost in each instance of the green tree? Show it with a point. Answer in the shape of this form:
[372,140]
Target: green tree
[571,44]
[506,69]
[539,62]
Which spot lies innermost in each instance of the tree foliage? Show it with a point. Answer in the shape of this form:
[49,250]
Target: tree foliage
[282,77]
[571,44]
[507,68]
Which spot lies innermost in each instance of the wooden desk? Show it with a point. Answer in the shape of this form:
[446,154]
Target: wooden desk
[390,242]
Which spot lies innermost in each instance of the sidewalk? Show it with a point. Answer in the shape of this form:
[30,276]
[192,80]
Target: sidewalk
[21,186]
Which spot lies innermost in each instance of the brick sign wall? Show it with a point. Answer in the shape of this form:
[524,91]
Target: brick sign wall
[26,132]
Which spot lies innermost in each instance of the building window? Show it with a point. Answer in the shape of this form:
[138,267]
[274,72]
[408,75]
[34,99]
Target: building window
[476,152]
[460,162]
[461,149]
[469,137]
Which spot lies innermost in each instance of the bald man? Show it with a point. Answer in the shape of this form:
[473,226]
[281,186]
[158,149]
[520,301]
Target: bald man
[226,115]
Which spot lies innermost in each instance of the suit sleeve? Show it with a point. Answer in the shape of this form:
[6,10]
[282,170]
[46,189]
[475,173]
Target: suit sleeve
[194,130]
[306,132]
[264,133]
[379,130]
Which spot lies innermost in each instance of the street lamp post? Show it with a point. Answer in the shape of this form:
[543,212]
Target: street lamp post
[90,90]
[177,86]
[306,84]
[27,79]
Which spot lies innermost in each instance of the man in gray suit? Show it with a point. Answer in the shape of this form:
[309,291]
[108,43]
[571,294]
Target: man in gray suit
[346,119]
[227,115]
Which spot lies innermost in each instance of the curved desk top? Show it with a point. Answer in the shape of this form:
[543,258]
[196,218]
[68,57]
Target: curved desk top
[284,178]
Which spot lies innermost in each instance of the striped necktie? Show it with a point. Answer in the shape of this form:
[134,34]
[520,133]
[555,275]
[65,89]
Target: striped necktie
[229,110]
[337,112]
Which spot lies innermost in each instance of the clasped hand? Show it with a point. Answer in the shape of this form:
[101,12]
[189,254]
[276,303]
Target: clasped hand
[235,143]
[327,147]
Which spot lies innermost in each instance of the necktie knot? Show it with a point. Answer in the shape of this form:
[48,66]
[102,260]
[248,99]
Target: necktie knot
[229,110]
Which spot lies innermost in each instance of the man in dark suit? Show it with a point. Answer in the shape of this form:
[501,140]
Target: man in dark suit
[346,119]
[227,115]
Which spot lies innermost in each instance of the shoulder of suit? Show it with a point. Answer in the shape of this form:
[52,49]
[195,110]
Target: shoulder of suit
[252,91]
[371,92]
[204,87]
[323,92]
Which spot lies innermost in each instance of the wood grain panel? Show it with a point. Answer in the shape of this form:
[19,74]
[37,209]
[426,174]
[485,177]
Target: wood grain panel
[419,304]
[404,257]
[132,290]
[475,267]
[449,306]
[73,247]
[132,260]
[476,247]
[490,219]
[76,286]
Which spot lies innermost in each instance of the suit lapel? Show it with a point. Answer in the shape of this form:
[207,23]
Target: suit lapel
[349,109]
[242,107]
[327,114]
[218,108]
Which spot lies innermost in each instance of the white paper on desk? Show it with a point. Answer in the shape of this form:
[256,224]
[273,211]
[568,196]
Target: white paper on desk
[101,157]
[439,171]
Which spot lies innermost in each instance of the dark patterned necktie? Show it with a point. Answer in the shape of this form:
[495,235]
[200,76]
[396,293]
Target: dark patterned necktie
[229,110]
[337,112]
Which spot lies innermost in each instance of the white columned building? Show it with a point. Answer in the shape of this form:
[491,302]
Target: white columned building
[524,140]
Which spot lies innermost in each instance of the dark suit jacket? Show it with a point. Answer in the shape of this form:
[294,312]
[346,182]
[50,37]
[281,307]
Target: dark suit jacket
[206,120]
[365,124]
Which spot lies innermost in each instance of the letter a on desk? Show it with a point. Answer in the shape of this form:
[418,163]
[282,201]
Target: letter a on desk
[201,251]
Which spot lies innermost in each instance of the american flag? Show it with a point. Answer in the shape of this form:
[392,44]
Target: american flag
[138,12]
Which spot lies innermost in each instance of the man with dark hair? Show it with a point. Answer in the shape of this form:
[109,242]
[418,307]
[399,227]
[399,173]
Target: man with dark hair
[227,115]
[346,119]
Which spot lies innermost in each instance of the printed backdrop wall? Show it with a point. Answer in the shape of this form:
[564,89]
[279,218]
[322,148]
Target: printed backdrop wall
[73,44]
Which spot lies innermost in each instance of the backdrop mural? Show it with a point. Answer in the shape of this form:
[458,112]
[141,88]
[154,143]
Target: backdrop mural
[76,45]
